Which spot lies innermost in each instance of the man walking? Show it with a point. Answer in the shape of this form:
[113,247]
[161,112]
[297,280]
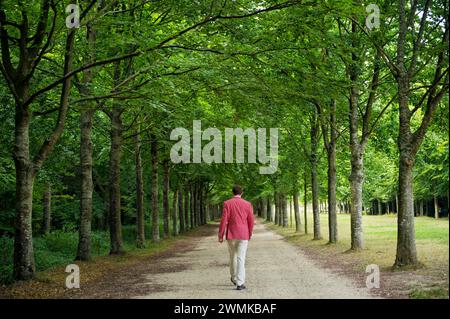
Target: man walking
[237,223]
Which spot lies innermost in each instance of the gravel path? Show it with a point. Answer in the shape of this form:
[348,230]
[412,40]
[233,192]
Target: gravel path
[275,269]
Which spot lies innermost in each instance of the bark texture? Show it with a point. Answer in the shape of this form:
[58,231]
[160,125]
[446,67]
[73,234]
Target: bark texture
[269,209]
[314,179]
[284,203]
[115,222]
[176,204]
[305,202]
[140,225]
[166,211]
[86,162]
[181,212]
[298,223]
[154,189]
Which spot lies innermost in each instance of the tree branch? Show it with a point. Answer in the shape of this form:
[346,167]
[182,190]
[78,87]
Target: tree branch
[417,44]
[49,143]
[158,46]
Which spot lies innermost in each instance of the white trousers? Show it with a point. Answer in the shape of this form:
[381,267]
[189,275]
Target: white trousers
[238,250]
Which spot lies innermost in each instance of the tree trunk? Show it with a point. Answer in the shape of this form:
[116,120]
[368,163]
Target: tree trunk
[436,207]
[264,208]
[280,209]
[197,205]
[406,245]
[356,148]
[140,225]
[166,211]
[154,187]
[298,223]
[305,203]
[277,208]
[396,203]
[181,212]
[205,207]
[332,216]
[269,209]
[26,169]
[176,202]
[408,141]
[291,212]
[87,186]
[201,206]
[331,156]
[421,207]
[314,181]
[24,266]
[284,203]
[261,207]
[115,224]
[192,204]
[86,162]
[186,207]
[315,204]
[356,185]
[47,201]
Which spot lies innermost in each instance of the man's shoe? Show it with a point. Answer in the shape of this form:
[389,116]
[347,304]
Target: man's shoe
[234,282]
[241,287]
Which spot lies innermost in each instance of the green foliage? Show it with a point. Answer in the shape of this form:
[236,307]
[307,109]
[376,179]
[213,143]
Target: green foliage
[57,248]
[433,293]
[129,232]
[6,256]
[265,70]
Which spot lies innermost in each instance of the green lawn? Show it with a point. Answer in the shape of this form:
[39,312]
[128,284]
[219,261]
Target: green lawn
[380,237]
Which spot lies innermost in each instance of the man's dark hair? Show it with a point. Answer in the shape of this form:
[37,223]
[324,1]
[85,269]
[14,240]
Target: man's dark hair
[237,190]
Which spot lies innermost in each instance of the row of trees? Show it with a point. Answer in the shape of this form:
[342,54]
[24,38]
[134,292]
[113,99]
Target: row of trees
[94,107]
[374,70]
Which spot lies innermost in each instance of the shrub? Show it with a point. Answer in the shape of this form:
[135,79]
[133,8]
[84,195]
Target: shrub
[59,248]
[129,232]
[6,259]
[59,241]
[99,243]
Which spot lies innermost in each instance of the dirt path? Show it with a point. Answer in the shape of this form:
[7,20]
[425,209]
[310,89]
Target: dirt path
[275,269]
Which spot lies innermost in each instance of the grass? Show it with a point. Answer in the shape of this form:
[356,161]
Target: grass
[380,238]
[434,293]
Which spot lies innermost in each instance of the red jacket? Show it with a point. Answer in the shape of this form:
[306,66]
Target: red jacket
[237,219]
